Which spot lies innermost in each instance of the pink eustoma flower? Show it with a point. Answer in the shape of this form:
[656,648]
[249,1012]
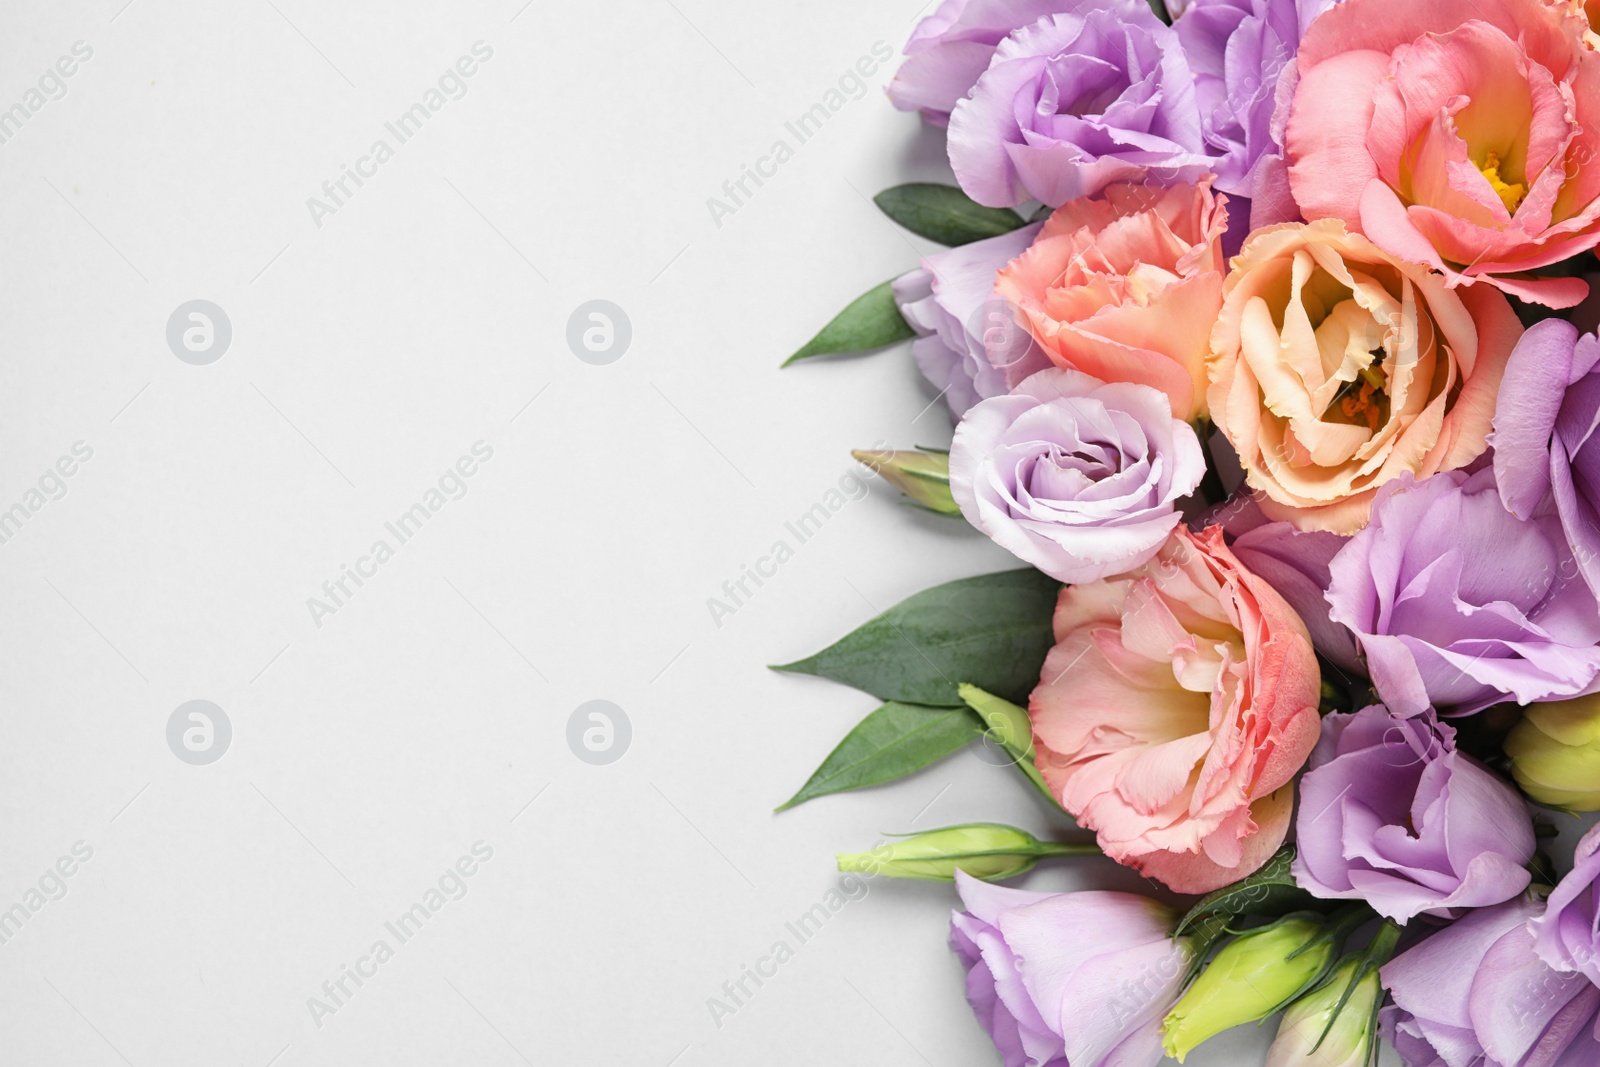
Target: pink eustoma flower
[1174,711]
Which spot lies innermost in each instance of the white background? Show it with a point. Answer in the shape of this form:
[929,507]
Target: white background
[368,354]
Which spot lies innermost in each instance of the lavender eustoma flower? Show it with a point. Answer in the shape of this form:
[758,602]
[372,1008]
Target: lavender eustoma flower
[1457,603]
[1390,813]
[1476,995]
[1295,563]
[1097,94]
[971,345]
[952,47]
[1545,419]
[1567,935]
[1059,979]
[1240,51]
[1078,477]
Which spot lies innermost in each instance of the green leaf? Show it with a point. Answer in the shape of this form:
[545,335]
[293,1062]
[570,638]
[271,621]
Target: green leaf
[945,214]
[871,321]
[991,631]
[1271,891]
[890,743]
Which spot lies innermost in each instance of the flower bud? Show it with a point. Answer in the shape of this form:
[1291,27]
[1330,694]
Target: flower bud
[924,477]
[986,850]
[1555,753]
[1252,977]
[1332,1026]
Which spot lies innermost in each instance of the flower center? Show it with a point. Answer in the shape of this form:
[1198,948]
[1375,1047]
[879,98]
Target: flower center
[1510,194]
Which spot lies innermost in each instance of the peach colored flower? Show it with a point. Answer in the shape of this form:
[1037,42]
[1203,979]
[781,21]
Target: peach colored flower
[1174,711]
[1460,135]
[1124,286]
[1336,366]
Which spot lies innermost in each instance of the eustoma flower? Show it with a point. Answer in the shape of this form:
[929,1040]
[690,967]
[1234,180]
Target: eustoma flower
[951,47]
[1097,94]
[1080,478]
[1458,603]
[1475,993]
[1239,51]
[1567,935]
[1069,978]
[1125,286]
[1459,135]
[1544,429]
[1174,711]
[1392,814]
[1295,563]
[1336,367]
[969,345]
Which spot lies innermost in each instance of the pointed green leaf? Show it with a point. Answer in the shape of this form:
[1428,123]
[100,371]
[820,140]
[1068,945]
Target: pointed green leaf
[890,743]
[871,321]
[945,214]
[1271,891]
[992,631]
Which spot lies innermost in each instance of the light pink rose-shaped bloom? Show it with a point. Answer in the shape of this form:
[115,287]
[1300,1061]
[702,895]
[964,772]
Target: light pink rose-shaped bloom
[1079,478]
[1173,713]
[1460,135]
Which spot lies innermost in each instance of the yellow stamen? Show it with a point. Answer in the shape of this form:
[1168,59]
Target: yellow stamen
[1510,195]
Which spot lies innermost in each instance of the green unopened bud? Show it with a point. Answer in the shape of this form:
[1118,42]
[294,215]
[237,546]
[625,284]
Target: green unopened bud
[1252,977]
[1555,753]
[986,850]
[924,477]
[1332,1026]
[1010,728]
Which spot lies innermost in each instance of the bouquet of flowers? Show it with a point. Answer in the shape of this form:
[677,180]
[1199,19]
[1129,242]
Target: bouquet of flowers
[1260,322]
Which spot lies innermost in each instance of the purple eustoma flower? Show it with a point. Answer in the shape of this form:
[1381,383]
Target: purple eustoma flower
[1069,979]
[1476,995]
[1240,51]
[1295,563]
[971,345]
[1459,604]
[951,48]
[1567,935]
[1390,813]
[1078,477]
[1097,94]
[1544,425]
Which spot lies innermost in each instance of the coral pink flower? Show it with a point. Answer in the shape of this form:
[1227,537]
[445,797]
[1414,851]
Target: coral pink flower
[1460,135]
[1124,286]
[1176,707]
[1336,367]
